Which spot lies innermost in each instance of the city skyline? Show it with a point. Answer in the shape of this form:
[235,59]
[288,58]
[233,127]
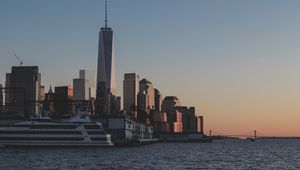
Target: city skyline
[243,69]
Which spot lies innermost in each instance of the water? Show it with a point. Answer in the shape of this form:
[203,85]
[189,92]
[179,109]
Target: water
[222,154]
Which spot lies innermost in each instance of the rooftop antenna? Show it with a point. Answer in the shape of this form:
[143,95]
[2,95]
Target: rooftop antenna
[105,13]
[19,60]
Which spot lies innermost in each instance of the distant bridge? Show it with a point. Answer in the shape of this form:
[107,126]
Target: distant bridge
[252,134]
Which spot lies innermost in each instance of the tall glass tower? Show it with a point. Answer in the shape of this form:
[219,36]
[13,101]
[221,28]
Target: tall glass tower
[106,83]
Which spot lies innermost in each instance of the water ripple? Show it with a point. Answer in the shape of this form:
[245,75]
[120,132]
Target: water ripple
[226,154]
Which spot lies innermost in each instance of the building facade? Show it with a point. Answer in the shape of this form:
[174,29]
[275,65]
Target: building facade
[170,103]
[106,83]
[1,97]
[7,81]
[124,128]
[84,86]
[118,103]
[23,91]
[160,123]
[200,125]
[189,121]
[146,98]
[130,92]
[63,101]
[175,116]
[157,100]
[42,92]
[49,103]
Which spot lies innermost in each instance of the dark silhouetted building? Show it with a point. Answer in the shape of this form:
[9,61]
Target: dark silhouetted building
[146,95]
[169,105]
[42,92]
[118,103]
[158,100]
[174,116]
[63,101]
[106,83]
[7,81]
[159,122]
[50,102]
[130,92]
[23,91]
[188,119]
[1,97]
[200,125]
[145,101]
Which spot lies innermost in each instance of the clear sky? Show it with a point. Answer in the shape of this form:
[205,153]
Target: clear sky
[236,61]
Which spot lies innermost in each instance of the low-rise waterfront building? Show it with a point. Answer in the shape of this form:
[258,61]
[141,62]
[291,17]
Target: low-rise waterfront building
[124,128]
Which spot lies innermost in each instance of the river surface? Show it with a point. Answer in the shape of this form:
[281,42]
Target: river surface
[221,154]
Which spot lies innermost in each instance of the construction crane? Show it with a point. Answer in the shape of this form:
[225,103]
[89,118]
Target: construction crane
[19,60]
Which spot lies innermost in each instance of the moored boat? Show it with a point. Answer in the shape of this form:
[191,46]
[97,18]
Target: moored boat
[41,132]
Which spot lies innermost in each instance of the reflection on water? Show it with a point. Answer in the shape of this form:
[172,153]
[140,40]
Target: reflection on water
[223,154]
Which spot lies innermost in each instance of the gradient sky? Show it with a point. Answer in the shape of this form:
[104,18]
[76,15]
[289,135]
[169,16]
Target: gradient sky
[236,61]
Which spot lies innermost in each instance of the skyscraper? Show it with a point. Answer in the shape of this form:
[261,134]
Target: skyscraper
[50,102]
[158,100]
[23,90]
[62,103]
[1,97]
[130,92]
[146,98]
[7,92]
[174,117]
[106,84]
[170,103]
[84,86]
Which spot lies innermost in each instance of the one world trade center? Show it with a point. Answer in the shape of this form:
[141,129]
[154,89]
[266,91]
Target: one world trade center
[106,83]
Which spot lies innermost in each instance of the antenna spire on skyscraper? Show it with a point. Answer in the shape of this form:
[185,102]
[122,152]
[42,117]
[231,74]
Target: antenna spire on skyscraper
[105,13]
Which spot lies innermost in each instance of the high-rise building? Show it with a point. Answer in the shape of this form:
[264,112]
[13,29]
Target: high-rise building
[177,123]
[89,75]
[84,86]
[170,103]
[23,90]
[42,92]
[200,126]
[118,103]
[7,80]
[1,97]
[50,102]
[157,100]
[106,84]
[189,119]
[159,122]
[62,103]
[130,92]
[146,98]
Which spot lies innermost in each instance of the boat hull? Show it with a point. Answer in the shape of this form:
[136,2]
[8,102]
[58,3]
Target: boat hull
[55,144]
